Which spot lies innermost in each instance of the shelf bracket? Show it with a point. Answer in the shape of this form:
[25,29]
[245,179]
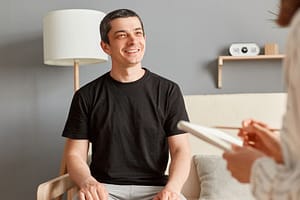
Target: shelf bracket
[220,65]
[221,60]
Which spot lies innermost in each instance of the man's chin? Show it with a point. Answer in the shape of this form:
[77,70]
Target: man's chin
[135,62]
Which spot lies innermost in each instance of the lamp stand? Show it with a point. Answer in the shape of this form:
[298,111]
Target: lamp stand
[63,167]
[76,75]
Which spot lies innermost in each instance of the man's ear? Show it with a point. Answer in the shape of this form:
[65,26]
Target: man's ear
[105,47]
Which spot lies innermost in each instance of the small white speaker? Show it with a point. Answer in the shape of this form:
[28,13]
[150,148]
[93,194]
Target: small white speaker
[244,49]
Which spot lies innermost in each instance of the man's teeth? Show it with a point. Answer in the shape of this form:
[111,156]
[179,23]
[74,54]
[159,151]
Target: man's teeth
[132,51]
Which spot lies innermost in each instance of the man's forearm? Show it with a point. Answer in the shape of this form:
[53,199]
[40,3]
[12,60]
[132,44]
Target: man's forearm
[78,169]
[179,170]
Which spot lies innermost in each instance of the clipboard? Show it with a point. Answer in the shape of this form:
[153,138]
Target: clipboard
[212,136]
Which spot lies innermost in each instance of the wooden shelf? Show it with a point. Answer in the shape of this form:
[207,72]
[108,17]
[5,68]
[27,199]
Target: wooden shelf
[233,58]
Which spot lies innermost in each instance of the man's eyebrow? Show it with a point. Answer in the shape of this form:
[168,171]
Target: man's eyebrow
[124,31]
[137,29]
[119,31]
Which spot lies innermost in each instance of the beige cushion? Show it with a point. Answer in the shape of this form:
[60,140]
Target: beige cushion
[216,183]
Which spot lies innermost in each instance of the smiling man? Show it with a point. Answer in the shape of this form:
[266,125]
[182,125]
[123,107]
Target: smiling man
[129,115]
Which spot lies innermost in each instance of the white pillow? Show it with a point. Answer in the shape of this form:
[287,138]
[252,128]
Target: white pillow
[216,183]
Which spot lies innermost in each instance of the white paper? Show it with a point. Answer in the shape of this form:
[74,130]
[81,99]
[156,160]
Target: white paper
[213,136]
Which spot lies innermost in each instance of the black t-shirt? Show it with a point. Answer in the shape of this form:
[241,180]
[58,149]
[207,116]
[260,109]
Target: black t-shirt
[128,125]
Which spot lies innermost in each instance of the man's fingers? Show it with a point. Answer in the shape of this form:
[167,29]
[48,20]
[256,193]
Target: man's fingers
[102,193]
[81,195]
[85,195]
[94,193]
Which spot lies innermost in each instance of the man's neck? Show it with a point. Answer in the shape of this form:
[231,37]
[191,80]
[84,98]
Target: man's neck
[126,75]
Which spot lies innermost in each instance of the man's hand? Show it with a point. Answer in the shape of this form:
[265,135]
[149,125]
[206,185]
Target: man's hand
[167,194]
[91,189]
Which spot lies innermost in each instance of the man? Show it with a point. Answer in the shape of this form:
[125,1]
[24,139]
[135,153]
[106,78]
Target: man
[129,115]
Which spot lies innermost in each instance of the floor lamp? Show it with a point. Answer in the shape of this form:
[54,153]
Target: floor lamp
[71,38]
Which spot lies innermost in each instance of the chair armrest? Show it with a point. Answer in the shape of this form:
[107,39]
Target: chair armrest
[55,187]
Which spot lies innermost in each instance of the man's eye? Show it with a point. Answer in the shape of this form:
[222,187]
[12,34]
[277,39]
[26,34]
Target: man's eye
[121,36]
[139,33]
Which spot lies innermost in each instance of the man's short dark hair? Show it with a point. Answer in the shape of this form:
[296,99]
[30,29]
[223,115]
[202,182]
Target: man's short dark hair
[120,13]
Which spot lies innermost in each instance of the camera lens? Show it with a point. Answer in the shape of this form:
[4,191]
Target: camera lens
[244,50]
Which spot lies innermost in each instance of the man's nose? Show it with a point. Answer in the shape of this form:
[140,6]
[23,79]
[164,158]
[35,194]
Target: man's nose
[132,38]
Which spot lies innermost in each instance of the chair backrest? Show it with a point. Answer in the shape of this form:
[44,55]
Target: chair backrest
[227,110]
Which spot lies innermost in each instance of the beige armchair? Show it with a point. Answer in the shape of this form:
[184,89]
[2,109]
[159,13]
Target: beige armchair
[209,110]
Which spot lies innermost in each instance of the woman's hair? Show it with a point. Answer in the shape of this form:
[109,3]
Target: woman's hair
[120,13]
[286,11]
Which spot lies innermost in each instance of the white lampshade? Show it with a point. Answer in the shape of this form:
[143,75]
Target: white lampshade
[72,35]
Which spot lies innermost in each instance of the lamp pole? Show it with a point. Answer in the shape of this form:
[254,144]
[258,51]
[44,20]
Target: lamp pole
[76,75]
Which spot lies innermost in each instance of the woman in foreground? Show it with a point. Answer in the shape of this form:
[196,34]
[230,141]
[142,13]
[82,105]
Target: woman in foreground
[269,161]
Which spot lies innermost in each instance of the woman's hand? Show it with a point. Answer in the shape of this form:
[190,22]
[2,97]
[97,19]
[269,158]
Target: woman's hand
[260,136]
[240,161]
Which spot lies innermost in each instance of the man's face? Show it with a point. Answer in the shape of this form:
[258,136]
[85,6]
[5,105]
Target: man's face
[126,42]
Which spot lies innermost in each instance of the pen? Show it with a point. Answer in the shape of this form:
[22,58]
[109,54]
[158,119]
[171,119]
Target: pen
[237,128]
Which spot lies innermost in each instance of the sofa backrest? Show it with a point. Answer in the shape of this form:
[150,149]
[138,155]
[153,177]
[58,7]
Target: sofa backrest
[228,110]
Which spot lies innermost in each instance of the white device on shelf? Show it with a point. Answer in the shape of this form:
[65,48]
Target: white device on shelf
[244,49]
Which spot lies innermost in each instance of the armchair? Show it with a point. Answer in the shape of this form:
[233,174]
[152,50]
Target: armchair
[209,110]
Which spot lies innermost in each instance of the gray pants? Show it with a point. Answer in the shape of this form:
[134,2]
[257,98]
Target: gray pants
[133,192]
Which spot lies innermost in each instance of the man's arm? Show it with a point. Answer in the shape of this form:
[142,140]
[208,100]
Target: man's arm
[76,158]
[179,167]
[180,161]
